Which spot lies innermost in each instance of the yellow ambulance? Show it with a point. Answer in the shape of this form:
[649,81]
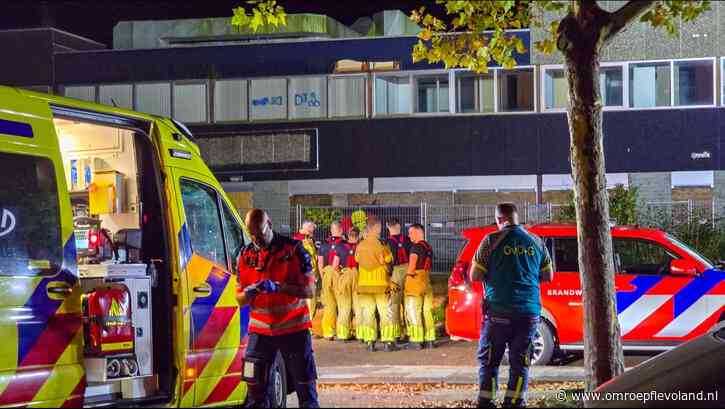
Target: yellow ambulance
[98,202]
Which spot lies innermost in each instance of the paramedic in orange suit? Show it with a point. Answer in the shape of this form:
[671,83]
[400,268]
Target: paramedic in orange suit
[275,279]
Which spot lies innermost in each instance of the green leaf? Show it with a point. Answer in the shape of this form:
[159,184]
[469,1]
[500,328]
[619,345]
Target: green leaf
[520,47]
[257,20]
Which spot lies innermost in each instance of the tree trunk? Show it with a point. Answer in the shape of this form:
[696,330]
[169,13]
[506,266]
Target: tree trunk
[603,358]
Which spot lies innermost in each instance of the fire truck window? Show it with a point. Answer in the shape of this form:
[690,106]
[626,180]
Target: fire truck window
[202,220]
[234,236]
[642,257]
[30,237]
[566,255]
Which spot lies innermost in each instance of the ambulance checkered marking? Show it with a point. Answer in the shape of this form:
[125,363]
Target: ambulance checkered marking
[204,309]
[215,358]
[44,337]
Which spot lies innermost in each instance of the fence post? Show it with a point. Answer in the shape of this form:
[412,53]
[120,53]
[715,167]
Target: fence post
[424,214]
[548,213]
[298,217]
[713,212]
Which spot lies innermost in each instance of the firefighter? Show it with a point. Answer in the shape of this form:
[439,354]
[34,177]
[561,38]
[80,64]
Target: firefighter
[307,236]
[329,262]
[275,278]
[344,283]
[418,291]
[374,257]
[400,248]
[511,262]
[353,237]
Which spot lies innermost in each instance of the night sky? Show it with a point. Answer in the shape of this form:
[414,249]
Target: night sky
[95,19]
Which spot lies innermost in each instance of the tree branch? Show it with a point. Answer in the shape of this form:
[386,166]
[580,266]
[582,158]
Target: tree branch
[625,15]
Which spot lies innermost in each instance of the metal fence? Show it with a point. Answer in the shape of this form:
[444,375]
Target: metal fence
[667,214]
[444,224]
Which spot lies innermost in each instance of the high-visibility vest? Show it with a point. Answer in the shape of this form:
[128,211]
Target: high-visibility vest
[284,261]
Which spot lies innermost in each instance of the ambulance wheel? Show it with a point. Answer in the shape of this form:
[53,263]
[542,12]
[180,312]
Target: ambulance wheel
[113,368]
[544,345]
[278,383]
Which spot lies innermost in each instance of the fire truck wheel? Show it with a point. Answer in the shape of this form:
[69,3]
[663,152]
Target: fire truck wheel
[278,383]
[544,345]
[129,367]
[113,368]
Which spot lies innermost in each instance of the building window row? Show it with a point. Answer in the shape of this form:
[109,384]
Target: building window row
[646,84]
[496,91]
[233,100]
[628,85]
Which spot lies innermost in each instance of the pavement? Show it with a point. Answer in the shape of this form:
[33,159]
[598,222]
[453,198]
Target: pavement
[350,376]
[435,374]
[448,353]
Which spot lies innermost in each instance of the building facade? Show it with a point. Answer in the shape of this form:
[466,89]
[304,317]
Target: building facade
[322,113]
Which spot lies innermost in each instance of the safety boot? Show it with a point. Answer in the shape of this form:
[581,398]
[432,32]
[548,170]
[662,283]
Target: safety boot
[430,345]
[371,347]
[390,347]
[415,346]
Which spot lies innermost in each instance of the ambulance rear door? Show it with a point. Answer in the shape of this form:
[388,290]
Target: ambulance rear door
[40,312]
[208,236]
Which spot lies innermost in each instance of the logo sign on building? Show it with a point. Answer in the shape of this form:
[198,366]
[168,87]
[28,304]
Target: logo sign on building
[7,222]
[268,99]
[700,155]
[308,97]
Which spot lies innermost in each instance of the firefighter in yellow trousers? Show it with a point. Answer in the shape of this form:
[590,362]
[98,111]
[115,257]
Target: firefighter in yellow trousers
[306,236]
[329,262]
[419,292]
[400,248]
[353,238]
[346,280]
[374,257]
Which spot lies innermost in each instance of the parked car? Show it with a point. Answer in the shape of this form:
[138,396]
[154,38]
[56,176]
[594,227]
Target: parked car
[661,381]
[667,293]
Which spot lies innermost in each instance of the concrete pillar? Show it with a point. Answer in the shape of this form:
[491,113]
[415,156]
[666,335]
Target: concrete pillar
[274,198]
[654,194]
[652,186]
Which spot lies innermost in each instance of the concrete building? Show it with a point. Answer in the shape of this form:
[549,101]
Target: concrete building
[322,113]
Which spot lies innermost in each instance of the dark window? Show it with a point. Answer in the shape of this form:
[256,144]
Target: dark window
[234,236]
[30,237]
[641,257]
[202,219]
[516,90]
[566,255]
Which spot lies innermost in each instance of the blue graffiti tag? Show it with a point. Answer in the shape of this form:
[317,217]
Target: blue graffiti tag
[310,100]
[276,100]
